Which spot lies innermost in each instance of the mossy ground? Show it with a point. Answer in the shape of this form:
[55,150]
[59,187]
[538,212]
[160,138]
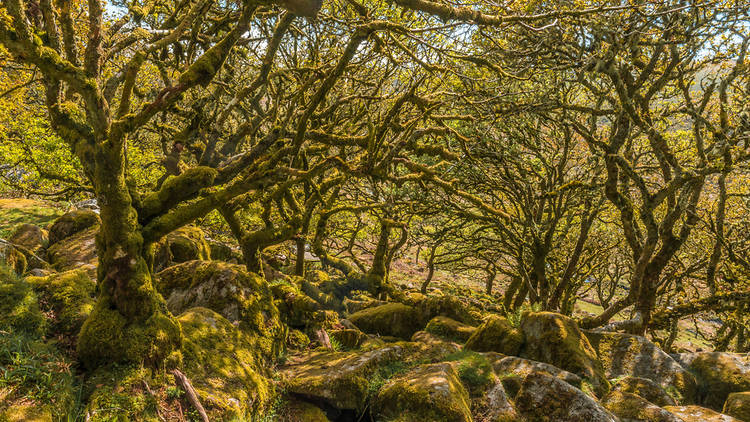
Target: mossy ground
[17,211]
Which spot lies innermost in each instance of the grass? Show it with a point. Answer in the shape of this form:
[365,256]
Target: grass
[17,211]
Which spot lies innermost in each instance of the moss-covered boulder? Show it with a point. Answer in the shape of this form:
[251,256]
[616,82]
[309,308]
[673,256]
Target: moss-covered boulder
[296,308]
[221,251]
[392,319]
[629,355]
[19,306]
[495,334]
[694,413]
[718,375]
[427,393]
[512,370]
[449,329]
[221,362]
[348,338]
[77,251]
[296,340]
[495,405]
[632,407]
[30,236]
[645,388]
[341,379]
[71,223]
[11,257]
[738,405]
[556,339]
[182,245]
[230,290]
[544,398]
[68,299]
[429,307]
[295,410]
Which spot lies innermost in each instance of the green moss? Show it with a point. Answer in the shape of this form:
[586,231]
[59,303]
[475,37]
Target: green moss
[221,362]
[738,405]
[26,412]
[296,308]
[76,251]
[297,340]
[557,340]
[348,338]
[720,374]
[343,379]
[474,370]
[176,188]
[694,413]
[428,393]
[630,406]
[182,245]
[393,319]
[118,393]
[496,334]
[449,306]
[33,374]
[30,236]
[19,211]
[12,258]
[19,306]
[68,297]
[300,411]
[107,336]
[72,223]
[645,388]
[449,329]
[234,293]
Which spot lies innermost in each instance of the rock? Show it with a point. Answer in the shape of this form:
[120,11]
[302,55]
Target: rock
[427,393]
[495,406]
[341,379]
[718,375]
[449,329]
[87,204]
[556,339]
[545,398]
[513,370]
[223,252]
[348,338]
[629,355]
[220,361]
[632,407]
[182,245]
[495,335]
[77,251]
[30,236]
[12,258]
[19,306]
[645,388]
[296,340]
[296,308]
[699,414]
[230,290]
[429,307]
[68,299]
[71,223]
[393,319]
[738,405]
[300,411]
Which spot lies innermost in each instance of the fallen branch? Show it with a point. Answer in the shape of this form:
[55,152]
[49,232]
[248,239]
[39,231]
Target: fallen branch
[184,382]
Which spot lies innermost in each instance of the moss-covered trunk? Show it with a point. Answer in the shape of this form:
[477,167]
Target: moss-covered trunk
[130,322]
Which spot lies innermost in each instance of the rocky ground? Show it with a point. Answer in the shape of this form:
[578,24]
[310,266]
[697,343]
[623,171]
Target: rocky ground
[296,349]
